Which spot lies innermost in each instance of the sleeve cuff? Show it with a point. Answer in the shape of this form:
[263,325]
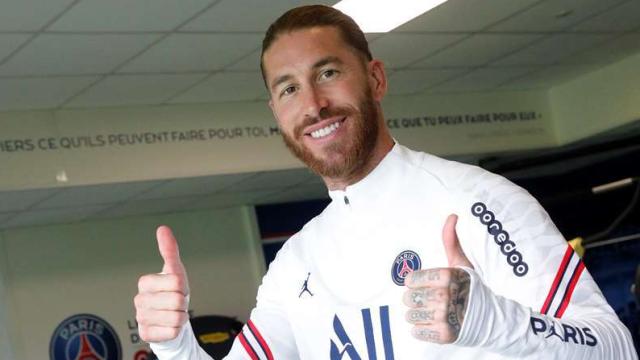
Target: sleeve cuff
[172,346]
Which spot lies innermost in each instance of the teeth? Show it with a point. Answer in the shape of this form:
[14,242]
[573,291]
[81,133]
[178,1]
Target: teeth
[320,133]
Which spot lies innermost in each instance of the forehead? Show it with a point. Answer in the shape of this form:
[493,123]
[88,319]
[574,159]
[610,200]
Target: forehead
[301,48]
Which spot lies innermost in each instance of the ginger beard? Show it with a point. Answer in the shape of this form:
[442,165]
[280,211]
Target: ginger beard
[340,159]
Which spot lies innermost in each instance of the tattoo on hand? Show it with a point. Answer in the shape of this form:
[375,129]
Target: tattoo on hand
[421,315]
[459,289]
[431,275]
[427,334]
[417,298]
[452,319]
[425,301]
[421,295]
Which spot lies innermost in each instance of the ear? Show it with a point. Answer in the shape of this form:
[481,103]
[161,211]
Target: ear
[271,105]
[377,79]
[273,111]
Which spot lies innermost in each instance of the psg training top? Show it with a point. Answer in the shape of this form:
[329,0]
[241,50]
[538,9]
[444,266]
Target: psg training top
[335,289]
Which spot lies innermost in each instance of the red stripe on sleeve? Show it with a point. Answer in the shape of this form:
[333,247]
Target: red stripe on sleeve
[556,281]
[572,286]
[252,354]
[260,339]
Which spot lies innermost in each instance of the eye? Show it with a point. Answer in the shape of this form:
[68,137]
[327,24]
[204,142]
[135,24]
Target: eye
[327,74]
[288,90]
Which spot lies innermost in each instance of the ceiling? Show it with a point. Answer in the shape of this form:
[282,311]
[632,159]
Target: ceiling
[61,54]
[64,54]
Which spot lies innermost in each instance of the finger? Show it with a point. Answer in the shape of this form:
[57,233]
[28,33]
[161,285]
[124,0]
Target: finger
[168,246]
[173,301]
[452,248]
[416,298]
[158,333]
[432,307]
[151,283]
[439,333]
[437,278]
[161,318]
[425,316]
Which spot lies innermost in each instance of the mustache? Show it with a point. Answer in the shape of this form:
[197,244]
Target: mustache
[324,113]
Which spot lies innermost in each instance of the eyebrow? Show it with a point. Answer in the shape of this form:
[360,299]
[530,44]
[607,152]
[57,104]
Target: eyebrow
[318,64]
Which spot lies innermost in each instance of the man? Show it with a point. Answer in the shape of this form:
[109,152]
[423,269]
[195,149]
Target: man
[500,281]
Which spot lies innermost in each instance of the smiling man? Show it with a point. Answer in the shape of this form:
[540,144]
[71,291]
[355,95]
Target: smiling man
[416,257]
[326,98]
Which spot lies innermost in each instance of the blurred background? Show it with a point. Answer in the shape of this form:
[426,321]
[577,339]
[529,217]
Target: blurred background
[117,116]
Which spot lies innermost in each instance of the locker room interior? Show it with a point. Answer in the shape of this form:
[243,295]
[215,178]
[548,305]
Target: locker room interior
[118,116]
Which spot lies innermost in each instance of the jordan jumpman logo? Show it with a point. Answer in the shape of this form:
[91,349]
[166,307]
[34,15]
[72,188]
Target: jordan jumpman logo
[305,287]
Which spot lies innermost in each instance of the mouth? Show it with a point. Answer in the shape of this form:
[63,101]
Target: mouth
[324,128]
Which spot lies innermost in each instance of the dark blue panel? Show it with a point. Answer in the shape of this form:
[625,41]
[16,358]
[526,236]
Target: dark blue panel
[613,267]
[284,220]
[287,218]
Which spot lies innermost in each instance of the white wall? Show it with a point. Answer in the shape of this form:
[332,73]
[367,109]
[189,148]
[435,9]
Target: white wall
[116,162]
[597,101]
[92,267]
[516,121]
[107,163]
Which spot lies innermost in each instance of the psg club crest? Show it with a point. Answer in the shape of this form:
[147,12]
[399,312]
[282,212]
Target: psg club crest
[404,264]
[84,337]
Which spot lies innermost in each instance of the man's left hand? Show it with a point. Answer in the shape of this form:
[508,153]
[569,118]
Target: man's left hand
[438,298]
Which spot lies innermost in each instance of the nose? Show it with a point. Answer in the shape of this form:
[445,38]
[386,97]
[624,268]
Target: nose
[315,102]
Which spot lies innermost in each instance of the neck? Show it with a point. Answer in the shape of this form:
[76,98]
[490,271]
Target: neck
[384,144]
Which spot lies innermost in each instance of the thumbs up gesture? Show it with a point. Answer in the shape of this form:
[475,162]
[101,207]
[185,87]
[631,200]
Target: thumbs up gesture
[438,298]
[163,299]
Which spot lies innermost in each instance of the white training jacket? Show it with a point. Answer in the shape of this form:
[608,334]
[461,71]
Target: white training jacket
[335,289]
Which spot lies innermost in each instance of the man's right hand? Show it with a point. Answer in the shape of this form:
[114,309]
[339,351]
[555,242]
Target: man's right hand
[163,299]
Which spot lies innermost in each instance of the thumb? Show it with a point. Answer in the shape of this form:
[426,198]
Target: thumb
[452,248]
[168,247]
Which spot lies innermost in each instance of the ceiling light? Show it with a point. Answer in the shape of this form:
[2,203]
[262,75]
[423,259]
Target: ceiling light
[384,15]
[61,176]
